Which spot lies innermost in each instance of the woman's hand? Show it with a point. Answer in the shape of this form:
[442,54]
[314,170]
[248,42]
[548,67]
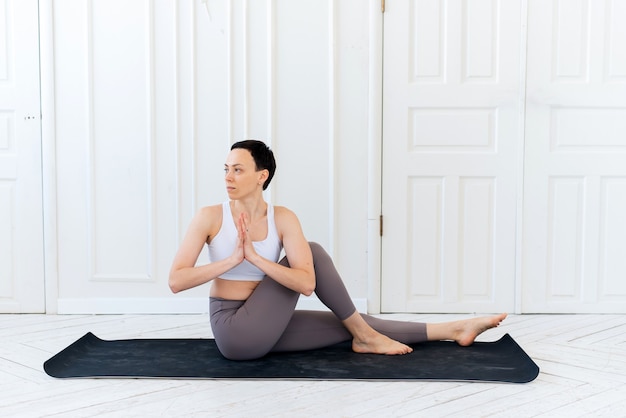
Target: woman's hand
[238,253]
[184,273]
[245,242]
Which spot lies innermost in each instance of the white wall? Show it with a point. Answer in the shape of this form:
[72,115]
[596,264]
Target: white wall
[141,100]
[147,97]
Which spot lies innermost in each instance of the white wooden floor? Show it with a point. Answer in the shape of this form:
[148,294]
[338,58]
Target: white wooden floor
[582,360]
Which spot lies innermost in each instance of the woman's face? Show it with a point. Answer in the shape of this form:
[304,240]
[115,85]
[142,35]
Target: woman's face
[240,174]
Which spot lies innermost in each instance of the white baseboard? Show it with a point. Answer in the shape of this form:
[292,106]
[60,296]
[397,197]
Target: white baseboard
[106,306]
[173,305]
[314,304]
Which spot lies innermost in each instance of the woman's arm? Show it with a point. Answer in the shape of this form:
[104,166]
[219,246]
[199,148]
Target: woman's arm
[184,274]
[300,275]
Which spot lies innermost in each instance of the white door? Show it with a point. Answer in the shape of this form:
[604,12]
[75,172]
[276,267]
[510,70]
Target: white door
[451,132]
[21,228]
[574,252]
[116,155]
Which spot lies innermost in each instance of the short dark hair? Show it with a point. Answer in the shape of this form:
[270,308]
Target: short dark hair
[262,155]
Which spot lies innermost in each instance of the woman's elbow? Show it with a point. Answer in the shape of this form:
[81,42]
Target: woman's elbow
[174,284]
[173,287]
[309,288]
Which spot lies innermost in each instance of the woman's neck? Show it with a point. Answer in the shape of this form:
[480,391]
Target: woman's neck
[255,207]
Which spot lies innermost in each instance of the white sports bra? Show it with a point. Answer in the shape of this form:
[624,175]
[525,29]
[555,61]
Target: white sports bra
[224,242]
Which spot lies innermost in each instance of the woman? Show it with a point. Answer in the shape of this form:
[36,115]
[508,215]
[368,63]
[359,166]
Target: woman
[253,295]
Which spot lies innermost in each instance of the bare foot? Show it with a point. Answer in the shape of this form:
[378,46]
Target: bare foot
[467,330]
[379,344]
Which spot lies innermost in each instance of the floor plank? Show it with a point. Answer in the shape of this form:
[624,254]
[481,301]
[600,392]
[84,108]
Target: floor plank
[582,360]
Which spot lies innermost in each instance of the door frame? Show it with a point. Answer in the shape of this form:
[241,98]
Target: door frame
[48,157]
[374,163]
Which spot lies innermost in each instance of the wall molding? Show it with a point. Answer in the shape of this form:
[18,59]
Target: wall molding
[374,156]
[173,305]
[48,151]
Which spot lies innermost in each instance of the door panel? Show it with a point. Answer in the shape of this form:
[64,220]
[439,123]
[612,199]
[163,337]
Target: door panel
[451,117]
[575,159]
[21,227]
[118,148]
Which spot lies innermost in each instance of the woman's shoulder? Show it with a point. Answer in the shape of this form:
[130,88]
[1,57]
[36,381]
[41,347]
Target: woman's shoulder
[207,221]
[210,211]
[283,211]
[209,215]
[284,216]
[287,223]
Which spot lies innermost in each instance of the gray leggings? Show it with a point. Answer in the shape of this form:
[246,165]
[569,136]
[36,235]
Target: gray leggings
[268,321]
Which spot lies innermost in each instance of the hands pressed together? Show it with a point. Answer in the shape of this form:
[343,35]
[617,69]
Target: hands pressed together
[244,249]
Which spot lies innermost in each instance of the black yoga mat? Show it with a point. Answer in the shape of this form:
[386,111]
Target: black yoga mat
[502,361]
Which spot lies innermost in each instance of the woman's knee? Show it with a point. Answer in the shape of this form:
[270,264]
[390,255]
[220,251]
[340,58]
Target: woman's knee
[317,250]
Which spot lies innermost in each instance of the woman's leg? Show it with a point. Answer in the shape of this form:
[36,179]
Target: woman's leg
[464,331]
[267,322]
[329,286]
[308,330]
[245,330]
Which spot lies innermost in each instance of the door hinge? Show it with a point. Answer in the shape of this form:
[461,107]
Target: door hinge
[382,6]
[381,225]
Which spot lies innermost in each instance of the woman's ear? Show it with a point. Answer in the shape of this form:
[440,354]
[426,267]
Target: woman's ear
[263,175]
